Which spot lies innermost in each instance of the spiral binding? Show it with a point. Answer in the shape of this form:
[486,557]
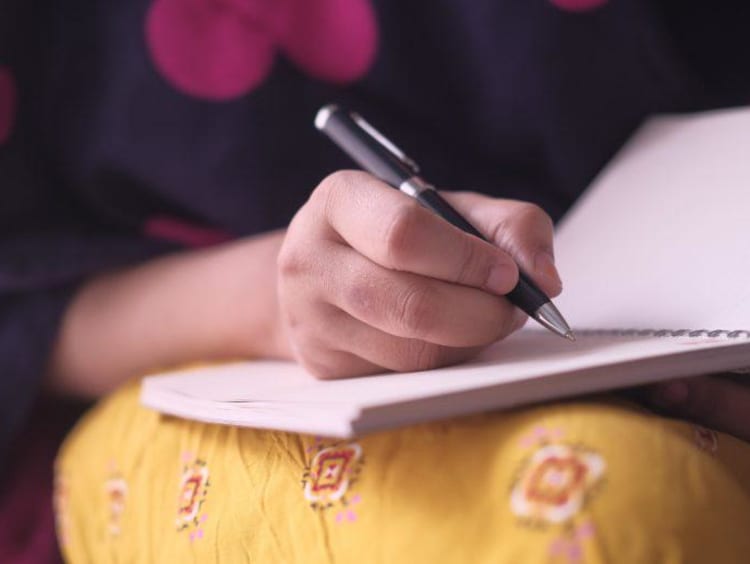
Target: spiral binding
[692,333]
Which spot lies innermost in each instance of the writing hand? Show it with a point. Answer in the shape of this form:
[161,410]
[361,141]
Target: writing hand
[369,280]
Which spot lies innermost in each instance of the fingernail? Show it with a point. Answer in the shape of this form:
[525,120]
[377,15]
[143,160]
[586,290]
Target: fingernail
[544,265]
[502,278]
[672,394]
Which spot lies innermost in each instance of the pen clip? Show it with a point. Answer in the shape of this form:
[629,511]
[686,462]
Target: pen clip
[385,142]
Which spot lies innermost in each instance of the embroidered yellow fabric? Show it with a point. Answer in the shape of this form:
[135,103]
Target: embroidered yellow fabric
[586,481]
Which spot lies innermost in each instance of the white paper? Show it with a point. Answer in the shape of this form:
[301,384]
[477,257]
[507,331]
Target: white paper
[662,240]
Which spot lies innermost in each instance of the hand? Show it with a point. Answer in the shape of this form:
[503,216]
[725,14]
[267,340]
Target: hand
[716,402]
[370,280]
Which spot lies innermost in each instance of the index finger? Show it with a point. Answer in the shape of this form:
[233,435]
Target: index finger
[521,228]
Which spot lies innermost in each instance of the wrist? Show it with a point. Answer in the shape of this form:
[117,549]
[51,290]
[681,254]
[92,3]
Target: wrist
[208,305]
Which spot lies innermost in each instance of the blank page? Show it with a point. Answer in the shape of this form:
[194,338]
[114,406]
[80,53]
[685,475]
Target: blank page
[662,239]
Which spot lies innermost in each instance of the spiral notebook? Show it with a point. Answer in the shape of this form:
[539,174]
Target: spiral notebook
[656,263]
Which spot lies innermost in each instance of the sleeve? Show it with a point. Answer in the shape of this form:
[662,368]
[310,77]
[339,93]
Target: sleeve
[41,268]
[48,247]
[39,274]
[712,39]
[27,326]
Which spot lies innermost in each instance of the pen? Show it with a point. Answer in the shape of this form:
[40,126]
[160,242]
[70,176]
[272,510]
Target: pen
[379,156]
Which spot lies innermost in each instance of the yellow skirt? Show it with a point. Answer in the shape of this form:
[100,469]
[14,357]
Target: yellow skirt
[584,481]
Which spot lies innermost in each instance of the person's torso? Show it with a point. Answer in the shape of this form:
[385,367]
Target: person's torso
[202,110]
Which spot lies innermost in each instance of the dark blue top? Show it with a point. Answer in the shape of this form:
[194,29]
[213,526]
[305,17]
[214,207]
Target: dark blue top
[133,128]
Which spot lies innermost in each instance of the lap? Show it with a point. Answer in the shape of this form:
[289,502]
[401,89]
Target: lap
[583,481]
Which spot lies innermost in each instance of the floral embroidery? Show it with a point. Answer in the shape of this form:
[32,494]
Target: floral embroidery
[60,502]
[223,49]
[541,434]
[116,489]
[194,485]
[554,483]
[569,546]
[552,486]
[348,513]
[328,478]
[706,439]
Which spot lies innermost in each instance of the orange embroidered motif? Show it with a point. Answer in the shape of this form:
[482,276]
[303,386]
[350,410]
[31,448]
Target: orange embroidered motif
[554,482]
[326,481]
[194,485]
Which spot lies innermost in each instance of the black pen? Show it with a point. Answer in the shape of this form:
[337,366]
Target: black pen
[377,155]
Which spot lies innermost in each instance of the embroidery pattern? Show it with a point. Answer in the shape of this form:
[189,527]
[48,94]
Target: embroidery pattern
[330,475]
[706,439]
[194,486]
[553,485]
[116,489]
[541,434]
[570,545]
[348,513]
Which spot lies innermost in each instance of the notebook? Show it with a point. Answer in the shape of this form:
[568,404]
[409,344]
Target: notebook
[655,258]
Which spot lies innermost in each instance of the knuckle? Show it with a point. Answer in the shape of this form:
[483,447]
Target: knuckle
[413,312]
[398,234]
[527,219]
[313,356]
[362,300]
[326,193]
[421,355]
[340,180]
[291,262]
[320,368]
[524,215]
[533,216]
[333,365]
[531,212]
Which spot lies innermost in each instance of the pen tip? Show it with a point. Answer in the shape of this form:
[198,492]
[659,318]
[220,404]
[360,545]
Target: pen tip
[570,336]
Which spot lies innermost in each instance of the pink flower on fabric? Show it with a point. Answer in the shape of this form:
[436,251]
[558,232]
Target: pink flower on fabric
[223,49]
[7,103]
[183,232]
[578,5]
